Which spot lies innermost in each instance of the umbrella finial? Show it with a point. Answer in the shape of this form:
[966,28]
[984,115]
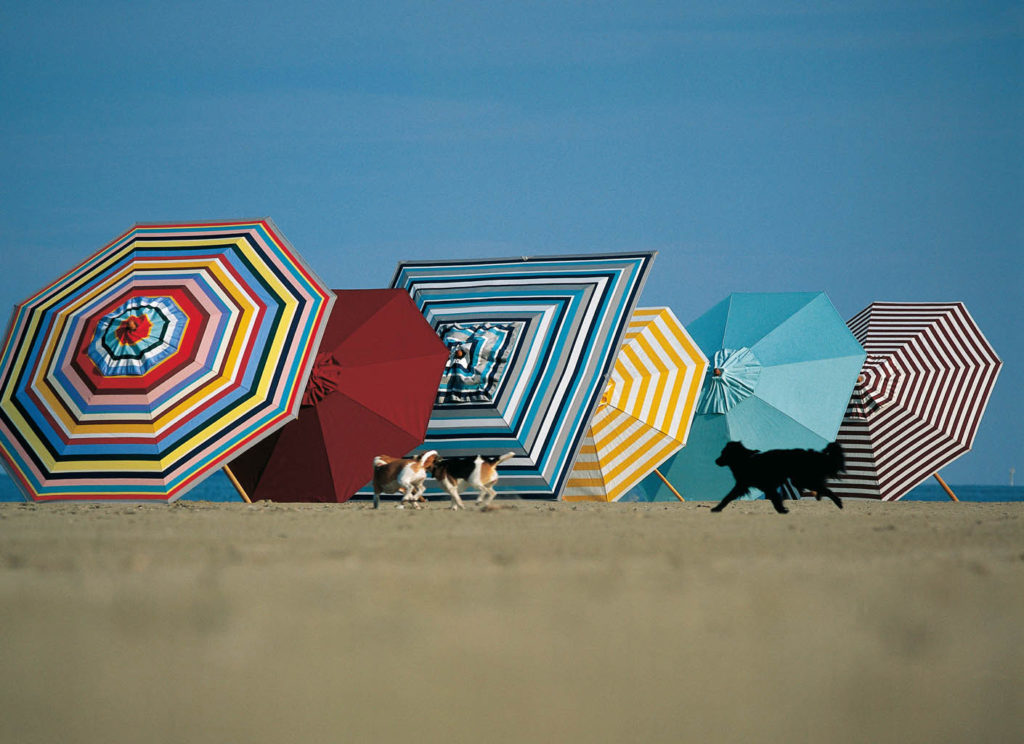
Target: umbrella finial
[609,390]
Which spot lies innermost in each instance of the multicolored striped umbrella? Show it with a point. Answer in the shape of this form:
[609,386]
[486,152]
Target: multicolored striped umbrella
[919,398]
[532,342]
[645,413]
[783,366]
[154,361]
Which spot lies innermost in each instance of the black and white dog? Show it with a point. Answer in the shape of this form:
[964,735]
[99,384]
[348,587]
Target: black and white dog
[454,474]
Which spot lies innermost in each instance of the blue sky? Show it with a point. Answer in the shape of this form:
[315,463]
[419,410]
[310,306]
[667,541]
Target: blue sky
[873,150]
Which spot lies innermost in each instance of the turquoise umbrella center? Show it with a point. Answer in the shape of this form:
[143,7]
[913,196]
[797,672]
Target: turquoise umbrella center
[733,380]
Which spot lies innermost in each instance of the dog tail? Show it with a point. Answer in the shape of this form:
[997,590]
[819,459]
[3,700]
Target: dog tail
[379,462]
[427,455]
[837,458]
[502,458]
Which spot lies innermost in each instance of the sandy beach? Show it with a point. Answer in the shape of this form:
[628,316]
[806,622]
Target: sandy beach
[532,622]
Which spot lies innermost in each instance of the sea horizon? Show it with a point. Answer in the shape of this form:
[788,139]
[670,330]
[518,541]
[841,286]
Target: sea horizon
[217,488]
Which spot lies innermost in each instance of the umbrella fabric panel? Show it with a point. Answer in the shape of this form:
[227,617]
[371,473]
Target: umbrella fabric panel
[551,327]
[688,470]
[645,413]
[919,398]
[138,372]
[370,393]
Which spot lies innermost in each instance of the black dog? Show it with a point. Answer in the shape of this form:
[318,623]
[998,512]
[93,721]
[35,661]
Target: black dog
[805,469]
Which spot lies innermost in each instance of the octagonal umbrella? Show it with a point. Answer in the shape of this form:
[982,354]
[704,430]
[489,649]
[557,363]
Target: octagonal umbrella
[645,413]
[143,369]
[919,398]
[532,342]
[371,392]
[784,365]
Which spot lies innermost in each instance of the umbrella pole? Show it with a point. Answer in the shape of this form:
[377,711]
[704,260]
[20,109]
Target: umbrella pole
[947,489]
[237,485]
[670,487]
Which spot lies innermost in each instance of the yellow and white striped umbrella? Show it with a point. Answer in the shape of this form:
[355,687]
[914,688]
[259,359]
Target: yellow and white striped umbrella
[644,417]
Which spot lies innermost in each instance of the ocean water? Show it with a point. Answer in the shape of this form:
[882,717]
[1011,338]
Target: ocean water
[218,488]
[933,492]
[215,488]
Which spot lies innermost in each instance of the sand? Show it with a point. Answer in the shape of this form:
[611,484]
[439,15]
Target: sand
[533,622]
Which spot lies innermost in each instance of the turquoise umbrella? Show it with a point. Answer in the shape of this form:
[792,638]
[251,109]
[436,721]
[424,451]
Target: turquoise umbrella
[784,367]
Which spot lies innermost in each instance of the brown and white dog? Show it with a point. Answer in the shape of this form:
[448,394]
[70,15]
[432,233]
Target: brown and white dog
[405,475]
[455,474]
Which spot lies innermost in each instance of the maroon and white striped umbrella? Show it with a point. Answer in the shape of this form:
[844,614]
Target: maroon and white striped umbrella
[919,398]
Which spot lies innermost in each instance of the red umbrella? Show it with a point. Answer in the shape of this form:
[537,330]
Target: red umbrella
[371,392]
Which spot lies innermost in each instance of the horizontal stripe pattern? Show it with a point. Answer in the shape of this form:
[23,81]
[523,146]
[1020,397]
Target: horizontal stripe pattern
[920,396]
[646,411]
[174,347]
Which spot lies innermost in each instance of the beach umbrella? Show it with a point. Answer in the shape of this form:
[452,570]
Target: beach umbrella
[919,397]
[147,366]
[783,367]
[645,413]
[371,393]
[532,342]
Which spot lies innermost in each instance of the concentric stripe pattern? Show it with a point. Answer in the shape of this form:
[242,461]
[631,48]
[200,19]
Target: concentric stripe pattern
[143,369]
[919,398]
[645,414]
[562,320]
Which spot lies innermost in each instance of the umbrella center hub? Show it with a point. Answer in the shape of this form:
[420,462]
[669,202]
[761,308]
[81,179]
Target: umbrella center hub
[609,393]
[136,336]
[133,329]
[478,360]
[876,385]
[732,380]
[324,379]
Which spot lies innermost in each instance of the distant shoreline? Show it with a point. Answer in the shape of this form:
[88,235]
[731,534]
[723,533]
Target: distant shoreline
[217,488]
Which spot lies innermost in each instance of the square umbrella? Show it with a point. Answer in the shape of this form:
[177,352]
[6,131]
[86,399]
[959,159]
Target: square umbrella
[532,342]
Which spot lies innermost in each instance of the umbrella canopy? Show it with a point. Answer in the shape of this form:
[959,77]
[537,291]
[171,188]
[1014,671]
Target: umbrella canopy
[783,366]
[146,367]
[919,398]
[645,413]
[371,393]
[532,342]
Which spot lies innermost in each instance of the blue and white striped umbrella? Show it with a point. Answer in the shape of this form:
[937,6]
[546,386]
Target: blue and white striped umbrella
[532,342]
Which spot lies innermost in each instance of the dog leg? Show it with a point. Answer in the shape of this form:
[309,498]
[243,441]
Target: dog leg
[835,499]
[453,491]
[776,499]
[734,494]
[486,496]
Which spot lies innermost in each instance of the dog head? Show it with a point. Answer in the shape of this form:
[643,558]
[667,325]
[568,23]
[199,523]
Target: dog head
[732,453]
[428,460]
